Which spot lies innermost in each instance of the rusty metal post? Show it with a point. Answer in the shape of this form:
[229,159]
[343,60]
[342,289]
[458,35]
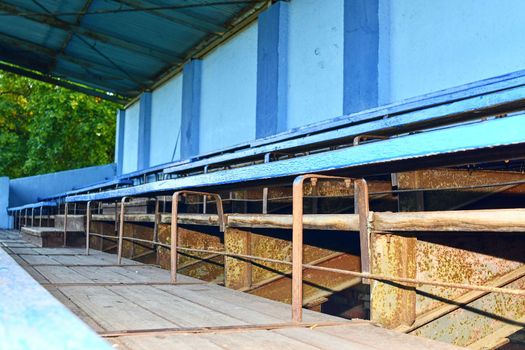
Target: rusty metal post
[174,236]
[65,223]
[265,189]
[297,240]
[32,217]
[88,225]
[156,230]
[121,229]
[362,208]
[205,198]
[116,218]
[40,218]
[297,249]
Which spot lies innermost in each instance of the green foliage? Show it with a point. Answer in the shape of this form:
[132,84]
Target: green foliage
[45,128]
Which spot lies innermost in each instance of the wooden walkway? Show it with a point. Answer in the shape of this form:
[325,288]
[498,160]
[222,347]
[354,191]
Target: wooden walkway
[134,307]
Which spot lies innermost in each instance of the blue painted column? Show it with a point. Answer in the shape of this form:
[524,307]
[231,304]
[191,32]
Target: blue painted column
[191,109]
[119,140]
[4,202]
[144,140]
[272,70]
[361,55]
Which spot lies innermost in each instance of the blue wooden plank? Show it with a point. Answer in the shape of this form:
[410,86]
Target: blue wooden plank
[31,318]
[33,205]
[446,112]
[449,141]
[465,91]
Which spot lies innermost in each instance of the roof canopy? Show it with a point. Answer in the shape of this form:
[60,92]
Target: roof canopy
[119,46]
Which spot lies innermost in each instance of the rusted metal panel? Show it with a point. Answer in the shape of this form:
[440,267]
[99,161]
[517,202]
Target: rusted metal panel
[479,319]
[393,304]
[201,237]
[464,259]
[453,178]
[238,273]
[316,284]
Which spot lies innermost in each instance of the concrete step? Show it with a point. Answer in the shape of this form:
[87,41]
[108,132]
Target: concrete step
[50,237]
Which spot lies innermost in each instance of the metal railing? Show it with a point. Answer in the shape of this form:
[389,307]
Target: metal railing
[297,264]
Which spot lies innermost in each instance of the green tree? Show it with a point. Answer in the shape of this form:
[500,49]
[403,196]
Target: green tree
[46,128]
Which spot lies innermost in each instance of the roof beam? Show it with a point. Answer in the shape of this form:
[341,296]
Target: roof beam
[81,62]
[177,17]
[63,83]
[96,35]
[66,42]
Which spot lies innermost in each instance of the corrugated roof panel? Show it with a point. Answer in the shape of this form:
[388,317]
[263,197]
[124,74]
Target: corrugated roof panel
[121,46]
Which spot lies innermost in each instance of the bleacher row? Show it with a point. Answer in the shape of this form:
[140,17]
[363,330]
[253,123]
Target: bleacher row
[448,127]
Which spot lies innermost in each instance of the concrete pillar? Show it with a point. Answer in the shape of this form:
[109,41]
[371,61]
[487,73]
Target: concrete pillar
[272,70]
[4,202]
[361,55]
[119,140]
[191,109]
[144,140]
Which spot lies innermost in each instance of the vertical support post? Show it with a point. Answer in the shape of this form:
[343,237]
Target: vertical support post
[362,208]
[361,55]
[40,218]
[272,70]
[121,230]
[25,217]
[116,218]
[65,223]
[174,236]
[265,189]
[119,140]
[32,217]
[156,229]
[144,137]
[297,249]
[205,197]
[191,102]
[88,225]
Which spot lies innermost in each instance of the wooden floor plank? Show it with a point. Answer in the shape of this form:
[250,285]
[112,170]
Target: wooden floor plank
[112,311]
[205,299]
[101,274]
[179,311]
[179,342]
[384,338]
[61,274]
[256,340]
[37,276]
[57,293]
[323,340]
[38,259]
[268,307]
